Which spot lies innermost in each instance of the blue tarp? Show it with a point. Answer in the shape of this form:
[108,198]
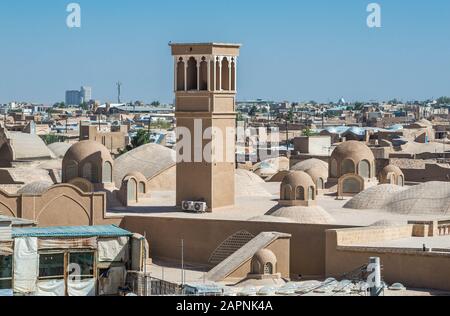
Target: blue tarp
[72,231]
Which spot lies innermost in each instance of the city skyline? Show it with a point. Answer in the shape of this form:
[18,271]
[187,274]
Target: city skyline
[301,51]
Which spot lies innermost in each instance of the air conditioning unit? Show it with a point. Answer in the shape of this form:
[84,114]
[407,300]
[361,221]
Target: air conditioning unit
[196,207]
[200,207]
[187,206]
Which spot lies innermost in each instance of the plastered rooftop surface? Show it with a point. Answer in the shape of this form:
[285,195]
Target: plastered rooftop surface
[172,272]
[439,242]
[161,204]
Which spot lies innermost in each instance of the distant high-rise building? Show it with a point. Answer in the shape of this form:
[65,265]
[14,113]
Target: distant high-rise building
[86,94]
[73,98]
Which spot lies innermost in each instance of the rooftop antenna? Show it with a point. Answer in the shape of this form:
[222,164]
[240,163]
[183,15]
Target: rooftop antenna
[119,86]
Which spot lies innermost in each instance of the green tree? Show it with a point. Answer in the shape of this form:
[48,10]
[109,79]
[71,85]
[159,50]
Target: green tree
[142,137]
[59,105]
[290,116]
[162,124]
[253,111]
[52,138]
[443,100]
[308,132]
[358,106]
[84,106]
[155,103]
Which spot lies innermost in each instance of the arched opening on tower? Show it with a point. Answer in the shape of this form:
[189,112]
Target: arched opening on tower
[192,74]
[218,75]
[204,74]
[233,74]
[180,75]
[225,74]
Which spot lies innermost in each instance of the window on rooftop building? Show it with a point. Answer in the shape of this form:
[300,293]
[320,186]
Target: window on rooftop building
[300,194]
[81,265]
[71,170]
[311,193]
[51,266]
[334,167]
[268,269]
[364,169]
[348,166]
[320,184]
[401,181]
[6,271]
[107,172]
[141,187]
[131,191]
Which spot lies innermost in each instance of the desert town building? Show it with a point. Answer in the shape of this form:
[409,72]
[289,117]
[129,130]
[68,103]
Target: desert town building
[277,222]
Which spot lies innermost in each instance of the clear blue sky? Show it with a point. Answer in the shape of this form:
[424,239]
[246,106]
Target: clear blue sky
[293,50]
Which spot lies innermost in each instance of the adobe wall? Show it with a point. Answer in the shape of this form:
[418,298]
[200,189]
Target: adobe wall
[165,181]
[314,145]
[61,205]
[111,140]
[431,172]
[411,267]
[202,237]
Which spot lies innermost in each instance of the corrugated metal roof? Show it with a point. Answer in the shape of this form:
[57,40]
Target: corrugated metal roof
[16,221]
[71,231]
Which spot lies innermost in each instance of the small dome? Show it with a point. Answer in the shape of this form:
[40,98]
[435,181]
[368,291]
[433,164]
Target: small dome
[89,160]
[392,174]
[279,176]
[137,175]
[375,197]
[264,256]
[354,150]
[151,160]
[265,171]
[315,215]
[250,175]
[316,173]
[397,287]
[249,184]
[35,188]
[308,164]
[264,262]
[391,168]
[59,149]
[430,198]
[87,150]
[298,178]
